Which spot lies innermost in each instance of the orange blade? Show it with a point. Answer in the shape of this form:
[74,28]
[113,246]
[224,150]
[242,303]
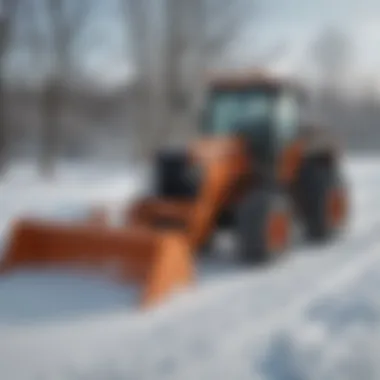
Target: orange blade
[158,262]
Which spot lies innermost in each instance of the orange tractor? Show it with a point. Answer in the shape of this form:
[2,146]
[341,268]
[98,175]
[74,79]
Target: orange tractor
[257,169]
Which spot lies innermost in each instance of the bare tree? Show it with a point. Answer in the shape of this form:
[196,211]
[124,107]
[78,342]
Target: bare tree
[331,56]
[66,22]
[195,33]
[224,22]
[7,15]
[331,53]
[137,26]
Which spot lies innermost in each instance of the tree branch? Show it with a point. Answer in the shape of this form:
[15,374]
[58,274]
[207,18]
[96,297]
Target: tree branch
[7,15]
[65,28]
[272,54]
[136,21]
[236,16]
[79,14]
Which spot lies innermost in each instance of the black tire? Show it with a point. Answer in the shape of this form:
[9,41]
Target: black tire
[316,182]
[205,251]
[252,216]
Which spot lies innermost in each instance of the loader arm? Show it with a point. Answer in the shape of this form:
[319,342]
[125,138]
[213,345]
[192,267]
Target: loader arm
[223,162]
[226,164]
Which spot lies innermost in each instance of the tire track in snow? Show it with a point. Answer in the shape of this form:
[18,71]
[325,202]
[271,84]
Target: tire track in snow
[348,249]
[220,301]
[288,317]
[353,269]
[236,332]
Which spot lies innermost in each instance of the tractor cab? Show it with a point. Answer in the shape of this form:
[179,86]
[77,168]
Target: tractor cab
[266,113]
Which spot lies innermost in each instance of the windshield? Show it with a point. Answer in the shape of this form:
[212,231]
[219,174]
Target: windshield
[227,109]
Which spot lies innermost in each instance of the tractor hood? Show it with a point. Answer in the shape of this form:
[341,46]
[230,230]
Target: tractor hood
[180,173]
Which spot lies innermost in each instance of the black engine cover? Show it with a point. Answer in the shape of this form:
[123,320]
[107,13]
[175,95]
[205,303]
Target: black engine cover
[175,175]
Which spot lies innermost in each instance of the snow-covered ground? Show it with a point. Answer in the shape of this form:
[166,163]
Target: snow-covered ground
[313,315]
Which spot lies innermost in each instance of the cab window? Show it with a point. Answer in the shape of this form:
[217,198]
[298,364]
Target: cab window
[286,118]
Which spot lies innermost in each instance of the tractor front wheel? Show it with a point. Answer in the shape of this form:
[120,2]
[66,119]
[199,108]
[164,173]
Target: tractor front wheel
[263,226]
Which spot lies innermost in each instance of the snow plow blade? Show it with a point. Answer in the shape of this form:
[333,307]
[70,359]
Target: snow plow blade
[158,262]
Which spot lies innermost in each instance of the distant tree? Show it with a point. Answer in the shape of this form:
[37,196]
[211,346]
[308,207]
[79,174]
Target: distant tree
[67,20]
[331,52]
[172,46]
[8,10]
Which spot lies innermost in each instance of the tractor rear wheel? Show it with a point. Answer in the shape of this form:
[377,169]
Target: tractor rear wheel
[324,202]
[263,226]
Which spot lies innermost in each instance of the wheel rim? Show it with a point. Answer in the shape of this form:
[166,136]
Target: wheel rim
[277,231]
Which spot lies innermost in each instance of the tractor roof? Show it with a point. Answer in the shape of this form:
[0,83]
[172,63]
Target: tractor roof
[250,78]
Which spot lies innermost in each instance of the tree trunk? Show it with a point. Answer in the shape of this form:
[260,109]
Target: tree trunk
[51,128]
[3,132]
